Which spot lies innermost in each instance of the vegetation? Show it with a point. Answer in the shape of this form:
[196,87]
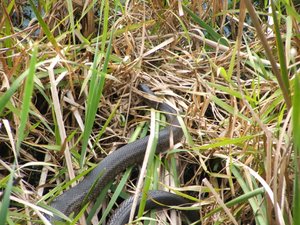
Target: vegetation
[68,98]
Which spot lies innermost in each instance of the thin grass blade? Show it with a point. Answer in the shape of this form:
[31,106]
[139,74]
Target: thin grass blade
[296,129]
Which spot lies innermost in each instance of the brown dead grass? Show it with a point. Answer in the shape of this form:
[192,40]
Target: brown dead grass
[178,66]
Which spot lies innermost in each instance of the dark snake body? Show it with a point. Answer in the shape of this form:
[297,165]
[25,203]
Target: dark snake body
[155,200]
[133,153]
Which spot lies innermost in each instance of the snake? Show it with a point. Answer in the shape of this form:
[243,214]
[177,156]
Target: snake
[156,199]
[87,190]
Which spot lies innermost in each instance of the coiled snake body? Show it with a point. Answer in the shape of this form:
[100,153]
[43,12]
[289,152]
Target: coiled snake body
[133,153]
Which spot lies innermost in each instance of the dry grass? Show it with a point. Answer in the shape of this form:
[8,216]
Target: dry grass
[238,120]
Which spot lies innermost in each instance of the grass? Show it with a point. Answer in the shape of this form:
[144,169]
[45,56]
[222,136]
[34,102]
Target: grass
[68,98]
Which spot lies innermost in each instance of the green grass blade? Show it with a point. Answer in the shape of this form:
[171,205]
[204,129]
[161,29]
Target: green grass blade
[98,202]
[215,36]
[230,91]
[268,51]
[237,200]
[296,129]
[130,27]
[8,43]
[6,198]
[224,141]
[23,119]
[27,98]
[71,17]
[44,26]
[108,120]
[150,169]
[9,93]
[96,88]
[105,25]
[228,108]
[280,49]
[260,218]
[292,12]
[115,195]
